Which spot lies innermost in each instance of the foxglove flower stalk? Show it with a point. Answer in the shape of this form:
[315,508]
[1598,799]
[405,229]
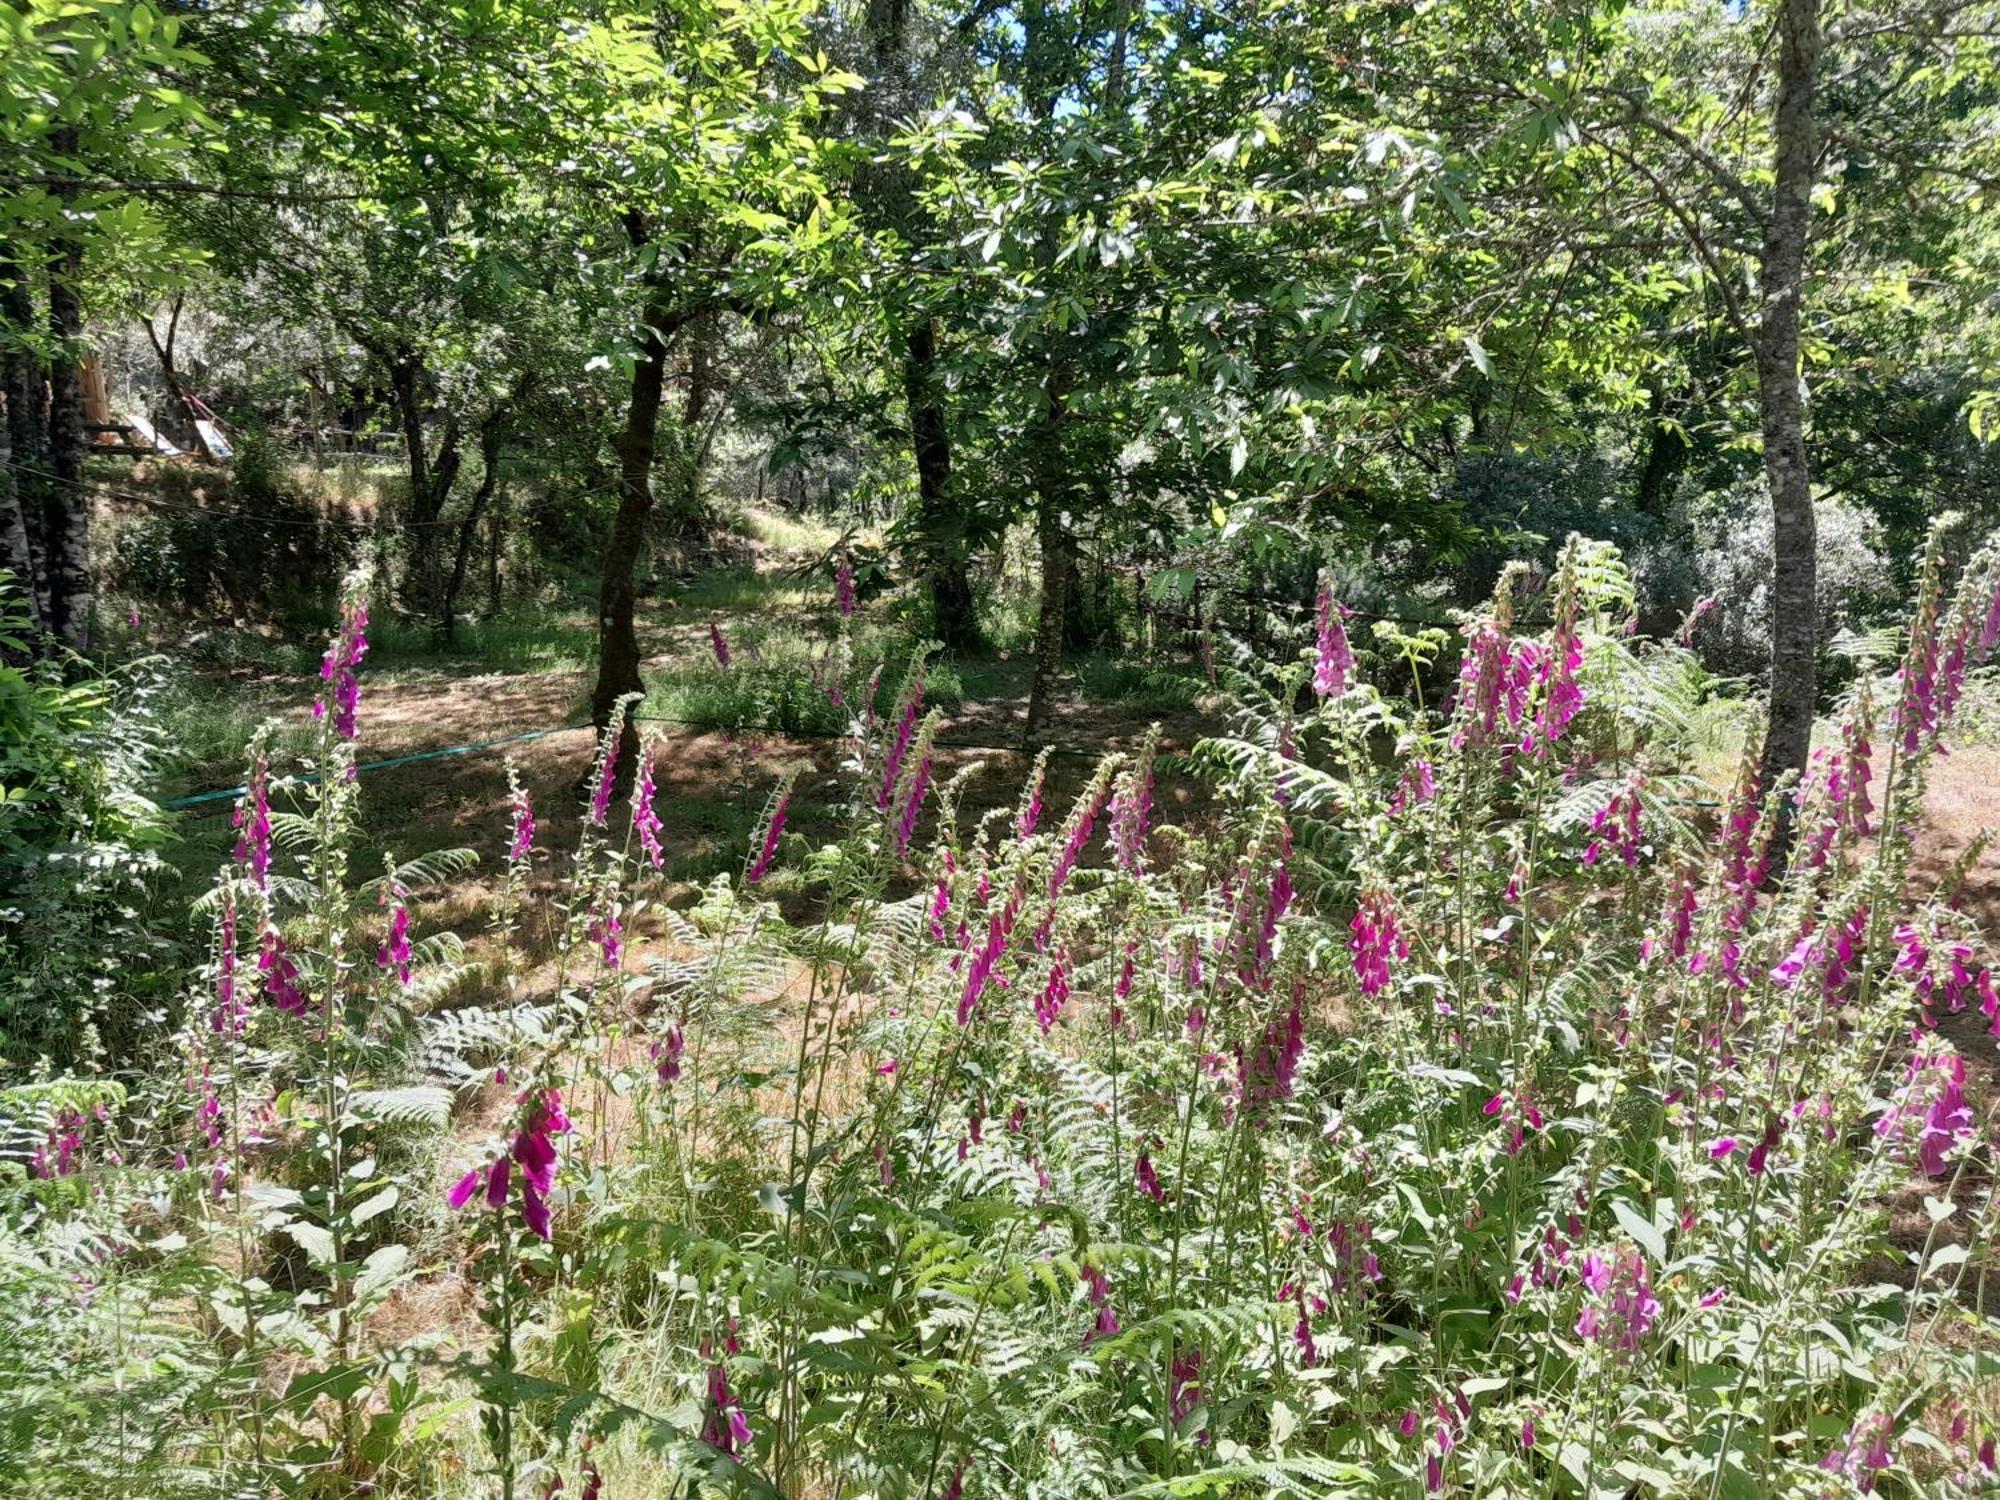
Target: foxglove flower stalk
[1268,1070]
[1184,1387]
[341,698]
[646,821]
[1147,1178]
[1077,831]
[718,646]
[1863,1453]
[1376,940]
[227,1018]
[1355,1267]
[1557,674]
[252,820]
[979,972]
[1485,667]
[843,584]
[727,1428]
[1055,994]
[1929,1117]
[766,843]
[521,843]
[909,709]
[1676,923]
[280,974]
[667,1055]
[394,951]
[1416,786]
[1619,1306]
[906,803]
[1615,826]
[534,1152]
[1701,610]
[608,932]
[1093,1277]
[1031,800]
[1132,808]
[1333,662]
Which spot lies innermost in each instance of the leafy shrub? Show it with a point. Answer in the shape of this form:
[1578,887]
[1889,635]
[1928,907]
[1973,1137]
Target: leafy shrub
[244,539]
[79,850]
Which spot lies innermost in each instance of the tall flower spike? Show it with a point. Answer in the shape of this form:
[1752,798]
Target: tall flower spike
[646,821]
[843,584]
[1561,693]
[522,840]
[907,803]
[903,729]
[341,697]
[1030,812]
[1132,807]
[771,829]
[1333,663]
[718,646]
[394,952]
[252,821]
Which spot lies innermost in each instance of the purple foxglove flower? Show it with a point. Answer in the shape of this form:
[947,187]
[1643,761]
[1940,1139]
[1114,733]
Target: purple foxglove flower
[645,821]
[1615,826]
[718,646]
[1416,786]
[1376,940]
[1184,1386]
[1266,1073]
[252,820]
[911,789]
[463,1190]
[1076,833]
[843,585]
[1702,608]
[727,1428]
[227,1018]
[1055,994]
[337,668]
[280,973]
[1621,1306]
[1929,1114]
[394,951]
[773,830]
[522,841]
[1031,800]
[1333,660]
[667,1055]
[1147,1178]
[956,1489]
[909,710]
[1132,809]
[608,932]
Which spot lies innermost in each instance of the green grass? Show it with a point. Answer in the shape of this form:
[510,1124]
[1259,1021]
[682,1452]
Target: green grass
[1151,689]
[517,641]
[734,590]
[799,536]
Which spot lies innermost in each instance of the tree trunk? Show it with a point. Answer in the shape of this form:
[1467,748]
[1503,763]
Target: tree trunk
[468,526]
[66,529]
[496,531]
[1666,454]
[431,478]
[163,353]
[24,479]
[617,633]
[1794,541]
[954,619]
[1052,532]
